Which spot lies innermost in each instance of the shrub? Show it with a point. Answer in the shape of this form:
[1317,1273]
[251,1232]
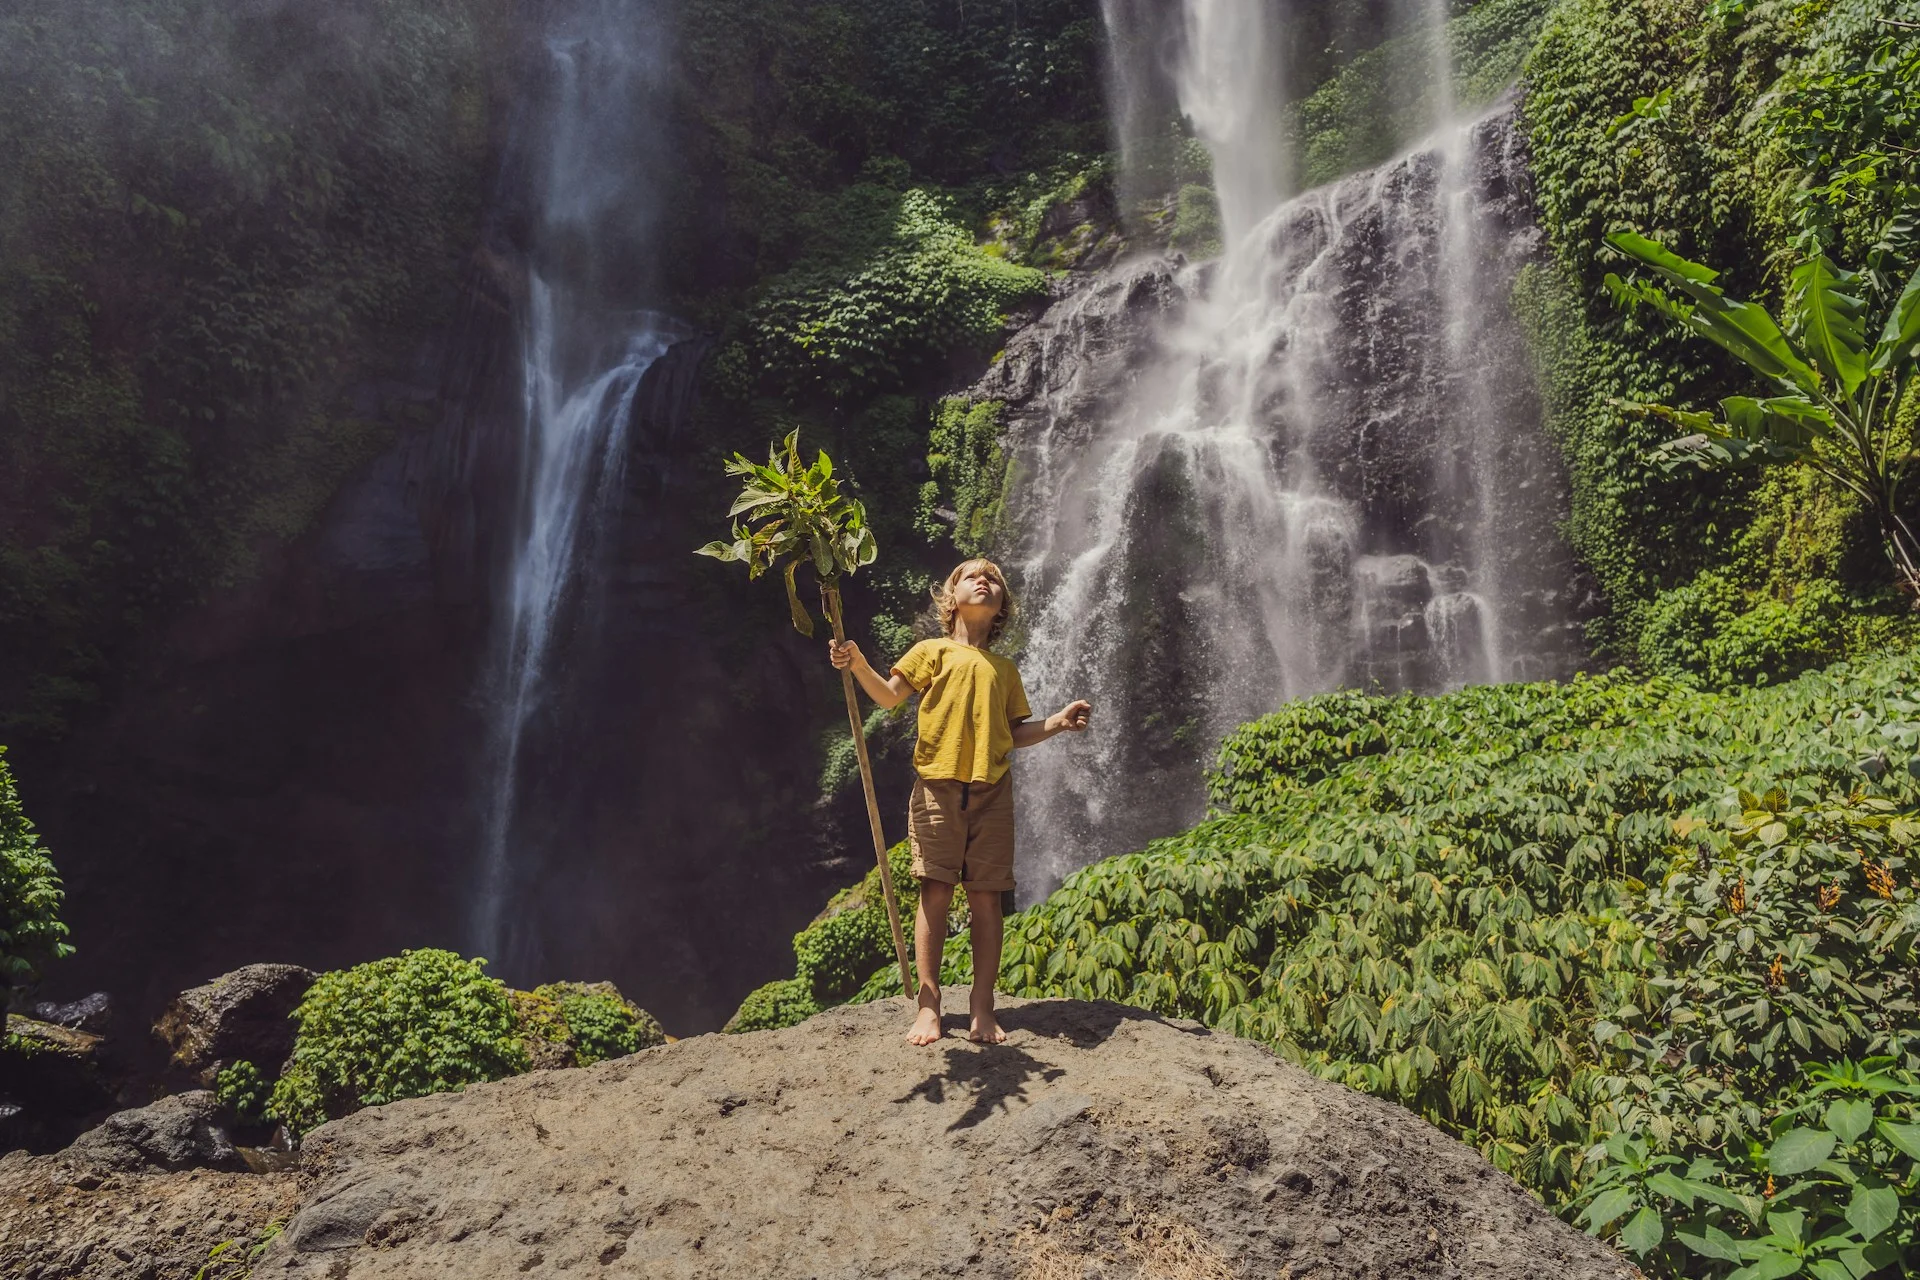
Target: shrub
[782,1003]
[242,1091]
[598,1023]
[31,932]
[418,1023]
[847,952]
[905,284]
[1710,628]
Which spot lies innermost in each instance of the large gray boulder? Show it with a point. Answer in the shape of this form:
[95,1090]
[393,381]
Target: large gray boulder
[238,1016]
[1099,1140]
[182,1131]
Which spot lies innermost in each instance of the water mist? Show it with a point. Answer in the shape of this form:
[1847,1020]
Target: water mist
[1322,468]
[586,151]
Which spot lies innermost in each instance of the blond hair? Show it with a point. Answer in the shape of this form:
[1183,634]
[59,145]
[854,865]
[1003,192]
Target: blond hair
[945,605]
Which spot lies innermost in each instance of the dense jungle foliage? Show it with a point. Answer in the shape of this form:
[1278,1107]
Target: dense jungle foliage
[227,235]
[1748,136]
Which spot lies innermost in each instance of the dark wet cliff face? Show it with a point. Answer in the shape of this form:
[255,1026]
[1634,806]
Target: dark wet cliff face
[294,775]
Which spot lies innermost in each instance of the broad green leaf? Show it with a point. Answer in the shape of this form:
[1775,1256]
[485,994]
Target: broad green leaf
[1828,319]
[1750,333]
[802,620]
[1905,1138]
[1798,1150]
[1712,1243]
[1672,1187]
[1659,257]
[1788,1224]
[1742,328]
[719,551]
[1643,1232]
[1902,332]
[1872,1210]
[1829,1269]
[1772,1264]
[752,498]
[1789,423]
[1850,1118]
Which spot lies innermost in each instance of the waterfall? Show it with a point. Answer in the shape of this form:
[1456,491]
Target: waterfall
[1319,464]
[583,153]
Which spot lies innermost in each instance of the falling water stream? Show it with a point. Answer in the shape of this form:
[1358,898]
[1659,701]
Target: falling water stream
[584,151]
[1327,469]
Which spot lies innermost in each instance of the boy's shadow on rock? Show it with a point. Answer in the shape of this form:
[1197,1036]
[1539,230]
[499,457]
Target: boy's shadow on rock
[995,1075]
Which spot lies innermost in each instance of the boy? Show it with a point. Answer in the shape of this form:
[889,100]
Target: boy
[973,712]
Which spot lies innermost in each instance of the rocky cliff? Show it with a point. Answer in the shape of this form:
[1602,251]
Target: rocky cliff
[1098,1141]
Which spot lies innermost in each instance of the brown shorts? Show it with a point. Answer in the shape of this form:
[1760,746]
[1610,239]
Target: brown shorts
[962,832]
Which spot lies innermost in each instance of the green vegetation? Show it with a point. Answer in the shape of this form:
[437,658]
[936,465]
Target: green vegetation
[846,943]
[963,499]
[428,1021]
[1757,135]
[243,1091]
[225,224]
[1838,379]
[1381,101]
[791,514]
[417,1023]
[1650,948]
[30,894]
[1548,917]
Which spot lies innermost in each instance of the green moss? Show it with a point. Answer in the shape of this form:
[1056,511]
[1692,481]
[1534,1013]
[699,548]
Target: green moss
[1707,164]
[900,284]
[1196,222]
[967,491]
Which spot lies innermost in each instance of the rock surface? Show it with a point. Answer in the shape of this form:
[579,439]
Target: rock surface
[1099,1140]
[182,1131]
[65,1219]
[238,1016]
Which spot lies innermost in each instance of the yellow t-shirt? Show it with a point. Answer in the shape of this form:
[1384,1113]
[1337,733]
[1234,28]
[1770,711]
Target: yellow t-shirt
[969,701]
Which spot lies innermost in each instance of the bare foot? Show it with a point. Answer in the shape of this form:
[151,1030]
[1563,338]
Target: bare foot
[986,1029]
[926,1028]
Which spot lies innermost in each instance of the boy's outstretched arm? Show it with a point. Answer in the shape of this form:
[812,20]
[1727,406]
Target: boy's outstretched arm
[1071,718]
[889,693]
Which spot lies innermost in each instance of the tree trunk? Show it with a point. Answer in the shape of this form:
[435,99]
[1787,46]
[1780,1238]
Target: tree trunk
[830,604]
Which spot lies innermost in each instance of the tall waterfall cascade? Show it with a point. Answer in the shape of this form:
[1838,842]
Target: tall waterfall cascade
[1315,461]
[582,158]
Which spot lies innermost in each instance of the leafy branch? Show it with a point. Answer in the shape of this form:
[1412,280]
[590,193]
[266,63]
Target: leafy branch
[1836,395]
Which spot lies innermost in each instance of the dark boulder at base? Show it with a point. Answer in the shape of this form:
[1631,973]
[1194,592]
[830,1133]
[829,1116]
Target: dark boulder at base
[89,1013]
[179,1132]
[238,1016]
[52,1084]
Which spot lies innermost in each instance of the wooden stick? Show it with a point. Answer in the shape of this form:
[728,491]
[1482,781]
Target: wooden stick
[830,603]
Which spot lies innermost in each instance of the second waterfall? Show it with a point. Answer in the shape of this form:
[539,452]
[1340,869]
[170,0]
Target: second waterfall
[585,158]
[1314,461]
